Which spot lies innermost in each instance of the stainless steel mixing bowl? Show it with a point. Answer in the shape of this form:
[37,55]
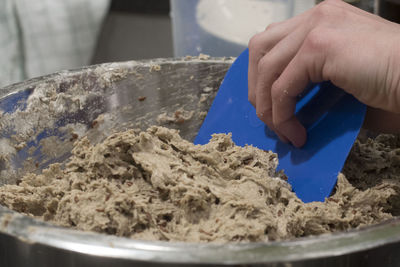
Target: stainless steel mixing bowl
[100,99]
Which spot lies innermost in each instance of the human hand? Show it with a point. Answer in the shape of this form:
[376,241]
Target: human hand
[355,50]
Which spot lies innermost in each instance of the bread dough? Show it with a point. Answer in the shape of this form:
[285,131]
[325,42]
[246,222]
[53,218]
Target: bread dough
[376,162]
[154,185]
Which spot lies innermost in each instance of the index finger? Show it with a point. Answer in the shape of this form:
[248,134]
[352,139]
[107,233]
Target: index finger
[307,65]
[261,43]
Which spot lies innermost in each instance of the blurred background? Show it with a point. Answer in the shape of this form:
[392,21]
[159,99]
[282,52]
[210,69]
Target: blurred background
[41,37]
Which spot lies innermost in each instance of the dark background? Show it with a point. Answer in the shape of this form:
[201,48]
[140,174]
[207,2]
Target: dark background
[135,29]
[141,29]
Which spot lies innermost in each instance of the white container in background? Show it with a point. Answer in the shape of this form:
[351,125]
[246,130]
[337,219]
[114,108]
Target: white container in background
[224,27]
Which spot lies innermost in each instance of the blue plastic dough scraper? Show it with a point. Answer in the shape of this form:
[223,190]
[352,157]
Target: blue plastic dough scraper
[332,118]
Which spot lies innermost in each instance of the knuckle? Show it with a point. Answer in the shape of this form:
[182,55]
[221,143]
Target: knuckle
[271,26]
[264,65]
[322,10]
[259,44]
[255,42]
[329,11]
[317,40]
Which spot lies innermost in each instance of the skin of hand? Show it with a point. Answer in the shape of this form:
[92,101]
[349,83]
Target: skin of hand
[355,50]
